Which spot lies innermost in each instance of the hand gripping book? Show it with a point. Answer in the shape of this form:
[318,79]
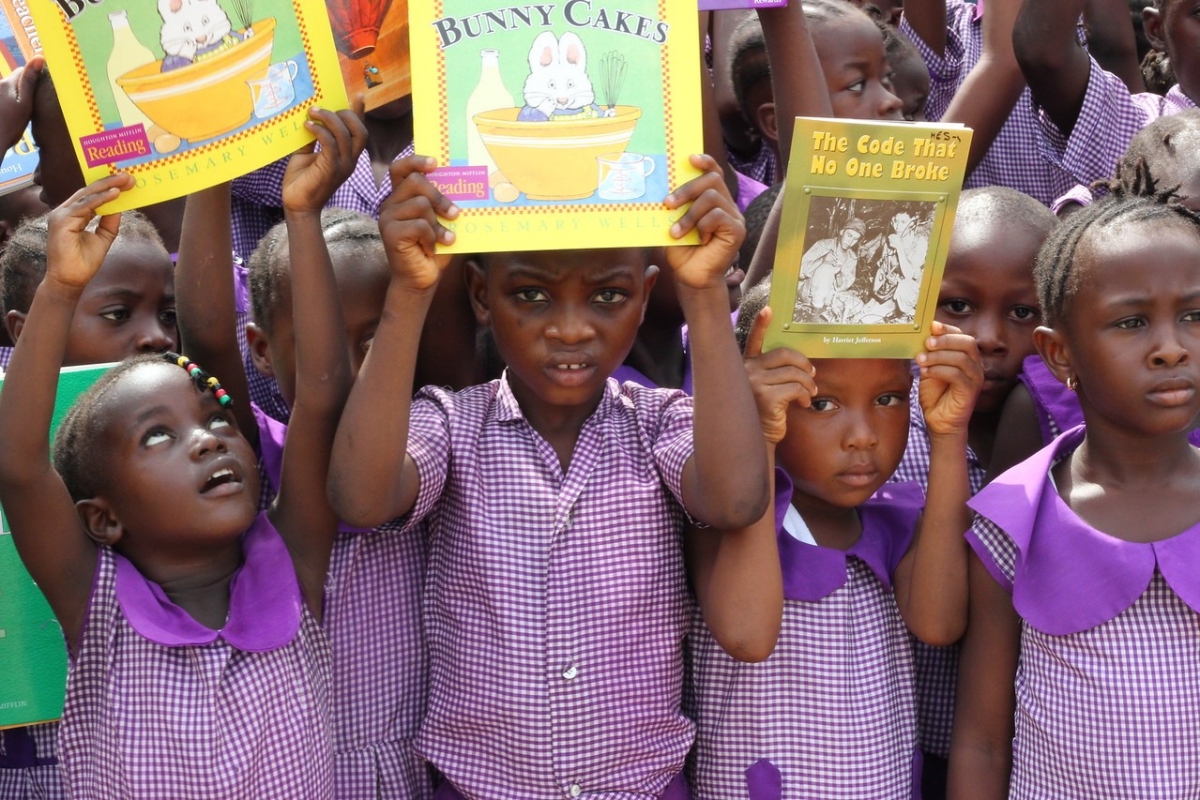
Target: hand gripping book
[33,654]
[186,94]
[867,212]
[558,125]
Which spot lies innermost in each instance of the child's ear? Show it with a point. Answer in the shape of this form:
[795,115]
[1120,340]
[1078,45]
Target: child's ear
[1054,351]
[101,524]
[475,274]
[14,322]
[768,123]
[258,342]
[651,278]
[1152,25]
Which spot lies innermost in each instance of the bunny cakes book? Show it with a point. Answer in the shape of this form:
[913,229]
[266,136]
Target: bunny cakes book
[867,212]
[33,655]
[186,94]
[560,124]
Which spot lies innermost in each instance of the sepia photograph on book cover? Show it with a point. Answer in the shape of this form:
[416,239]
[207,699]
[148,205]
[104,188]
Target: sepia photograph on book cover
[371,37]
[18,43]
[867,215]
[560,125]
[185,94]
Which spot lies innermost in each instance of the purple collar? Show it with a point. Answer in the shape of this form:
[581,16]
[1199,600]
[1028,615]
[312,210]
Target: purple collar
[889,519]
[509,410]
[264,600]
[1071,577]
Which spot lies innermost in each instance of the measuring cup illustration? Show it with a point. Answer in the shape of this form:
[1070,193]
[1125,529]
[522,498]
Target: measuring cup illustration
[275,92]
[623,175]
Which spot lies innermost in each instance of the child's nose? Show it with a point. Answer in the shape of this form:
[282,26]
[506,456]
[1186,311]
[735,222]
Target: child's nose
[205,442]
[890,106]
[989,336]
[860,433]
[1170,352]
[155,338]
[570,327]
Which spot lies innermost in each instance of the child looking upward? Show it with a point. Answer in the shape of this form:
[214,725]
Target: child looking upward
[556,604]
[1079,676]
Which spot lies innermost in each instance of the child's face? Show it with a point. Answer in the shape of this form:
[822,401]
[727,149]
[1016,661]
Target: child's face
[1132,334]
[856,71]
[840,451]
[180,472]
[126,310]
[362,284]
[58,171]
[910,82]
[1174,28]
[989,292]
[562,320]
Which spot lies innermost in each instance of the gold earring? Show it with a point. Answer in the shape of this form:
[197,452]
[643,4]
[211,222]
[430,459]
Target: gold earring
[1072,383]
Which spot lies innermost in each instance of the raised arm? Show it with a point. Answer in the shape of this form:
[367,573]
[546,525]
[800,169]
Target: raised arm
[16,102]
[1112,42]
[1055,64]
[797,81]
[204,298]
[990,91]
[931,580]
[725,480]
[302,512]
[714,138]
[371,477]
[46,527]
[735,574]
[927,18]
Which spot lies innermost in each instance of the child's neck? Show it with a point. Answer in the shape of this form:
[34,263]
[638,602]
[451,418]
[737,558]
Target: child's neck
[658,354]
[981,435]
[201,588]
[559,425]
[832,526]
[386,139]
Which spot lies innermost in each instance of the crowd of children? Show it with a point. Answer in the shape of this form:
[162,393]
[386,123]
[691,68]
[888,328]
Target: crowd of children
[354,519]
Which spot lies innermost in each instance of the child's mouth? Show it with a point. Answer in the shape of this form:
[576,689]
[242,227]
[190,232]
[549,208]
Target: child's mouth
[223,481]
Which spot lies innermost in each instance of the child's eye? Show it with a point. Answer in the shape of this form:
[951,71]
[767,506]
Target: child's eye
[1129,323]
[168,317]
[957,306]
[155,436]
[531,295]
[857,86]
[119,314]
[822,404]
[609,296]
[891,399]
[1024,313]
[1192,316]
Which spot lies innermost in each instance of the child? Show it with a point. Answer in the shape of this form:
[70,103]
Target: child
[832,713]
[375,576]
[556,605]
[143,536]
[1085,565]
[127,309]
[989,293]
[910,76]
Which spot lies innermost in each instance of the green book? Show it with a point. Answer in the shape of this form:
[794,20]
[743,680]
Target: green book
[33,655]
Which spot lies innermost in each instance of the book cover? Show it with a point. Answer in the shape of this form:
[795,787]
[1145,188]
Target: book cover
[18,43]
[33,654]
[718,5]
[185,94]
[558,125]
[867,213]
[372,43]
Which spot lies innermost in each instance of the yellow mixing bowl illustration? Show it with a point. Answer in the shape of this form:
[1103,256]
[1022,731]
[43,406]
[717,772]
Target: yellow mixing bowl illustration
[554,160]
[207,98]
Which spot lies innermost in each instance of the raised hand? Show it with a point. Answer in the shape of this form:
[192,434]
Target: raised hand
[16,101]
[73,253]
[411,227]
[314,175]
[778,378]
[715,217]
[951,377]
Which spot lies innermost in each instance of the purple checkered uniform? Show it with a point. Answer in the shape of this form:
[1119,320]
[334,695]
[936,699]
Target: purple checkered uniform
[832,712]
[1108,120]
[160,706]
[380,663]
[937,667]
[28,766]
[1108,683]
[556,605]
[1012,159]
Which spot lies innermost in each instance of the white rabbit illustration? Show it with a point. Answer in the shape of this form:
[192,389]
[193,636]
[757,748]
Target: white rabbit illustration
[558,86]
[191,27]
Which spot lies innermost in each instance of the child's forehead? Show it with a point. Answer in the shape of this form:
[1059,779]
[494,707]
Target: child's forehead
[867,373]
[562,265]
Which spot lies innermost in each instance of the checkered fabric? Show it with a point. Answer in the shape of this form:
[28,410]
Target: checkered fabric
[28,766]
[937,667]
[556,605]
[204,722]
[1013,159]
[763,166]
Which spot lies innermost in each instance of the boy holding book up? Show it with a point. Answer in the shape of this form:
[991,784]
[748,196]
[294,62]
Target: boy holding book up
[554,498]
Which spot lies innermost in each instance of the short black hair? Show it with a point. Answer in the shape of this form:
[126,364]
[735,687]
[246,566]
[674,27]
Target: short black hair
[752,303]
[23,263]
[996,205]
[749,66]
[1057,269]
[269,271]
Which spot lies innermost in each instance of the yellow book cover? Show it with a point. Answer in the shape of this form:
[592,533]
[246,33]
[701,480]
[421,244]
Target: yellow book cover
[185,94]
[867,212]
[558,125]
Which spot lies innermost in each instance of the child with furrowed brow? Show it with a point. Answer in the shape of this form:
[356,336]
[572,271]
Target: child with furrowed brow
[555,501]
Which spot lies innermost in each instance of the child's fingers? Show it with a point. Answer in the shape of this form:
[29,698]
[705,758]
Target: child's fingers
[330,132]
[83,204]
[758,332]
[415,219]
[408,181]
[358,130]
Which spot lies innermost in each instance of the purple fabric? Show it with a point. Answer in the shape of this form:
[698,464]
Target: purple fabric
[677,789]
[748,189]
[1108,684]
[28,766]
[556,604]
[936,667]
[762,167]
[1108,120]
[380,663]
[199,721]
[264,600]
[1080,195]
[5,357]
[1013,158]
[832,712]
